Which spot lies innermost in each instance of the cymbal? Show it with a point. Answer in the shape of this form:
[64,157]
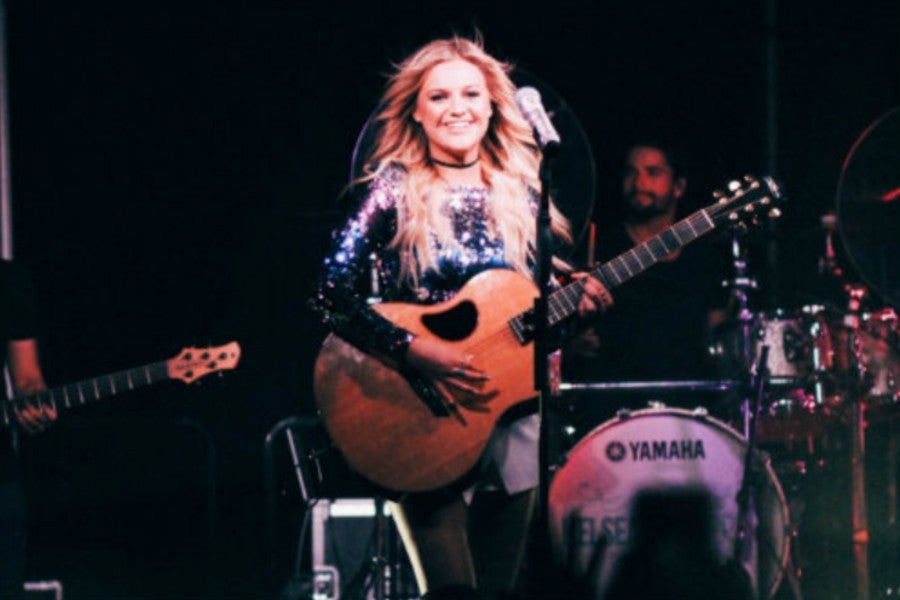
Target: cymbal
[574,169]
[868,206]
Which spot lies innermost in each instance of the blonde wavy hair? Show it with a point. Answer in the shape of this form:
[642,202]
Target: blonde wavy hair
[509,162]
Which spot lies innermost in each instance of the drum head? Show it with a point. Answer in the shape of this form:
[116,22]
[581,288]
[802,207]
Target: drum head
[662,450]
[574,170]
[868,206]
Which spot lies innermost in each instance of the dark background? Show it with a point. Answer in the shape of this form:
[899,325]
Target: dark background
[175,170]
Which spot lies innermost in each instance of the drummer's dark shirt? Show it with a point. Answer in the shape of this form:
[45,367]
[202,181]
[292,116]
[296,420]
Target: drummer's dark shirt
[657,329]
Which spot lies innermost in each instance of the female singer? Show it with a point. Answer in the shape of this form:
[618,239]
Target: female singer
[451,190]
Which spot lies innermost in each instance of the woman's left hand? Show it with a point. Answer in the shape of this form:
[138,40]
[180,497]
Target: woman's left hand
[595,297]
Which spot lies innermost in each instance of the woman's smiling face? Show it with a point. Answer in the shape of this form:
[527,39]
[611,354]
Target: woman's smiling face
[454,109]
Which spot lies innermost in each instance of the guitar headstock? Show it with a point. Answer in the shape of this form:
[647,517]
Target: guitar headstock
[193,363]
[747,201]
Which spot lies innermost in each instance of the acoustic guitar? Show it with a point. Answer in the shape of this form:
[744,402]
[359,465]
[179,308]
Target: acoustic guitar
[397,440]
[188,366]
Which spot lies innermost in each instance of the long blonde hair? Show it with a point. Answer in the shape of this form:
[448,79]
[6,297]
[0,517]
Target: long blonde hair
[509,161]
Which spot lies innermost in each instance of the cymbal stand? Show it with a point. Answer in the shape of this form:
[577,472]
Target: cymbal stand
[741,284]
[828,264]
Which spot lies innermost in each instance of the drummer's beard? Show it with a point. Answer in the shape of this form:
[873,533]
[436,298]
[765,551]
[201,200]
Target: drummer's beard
[641,211]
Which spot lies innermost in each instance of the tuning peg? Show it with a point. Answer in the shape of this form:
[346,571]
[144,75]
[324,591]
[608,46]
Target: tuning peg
[718,195]
[734,185]
[765,201]
[749,178]
[775,212]
[749,208]
[733,216]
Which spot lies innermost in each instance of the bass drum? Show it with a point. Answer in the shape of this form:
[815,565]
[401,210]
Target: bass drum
[655,450]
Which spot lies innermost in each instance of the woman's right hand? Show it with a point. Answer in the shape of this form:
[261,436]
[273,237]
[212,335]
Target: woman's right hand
[446,365]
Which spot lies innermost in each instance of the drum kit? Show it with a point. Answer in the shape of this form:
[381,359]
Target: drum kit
[811,389]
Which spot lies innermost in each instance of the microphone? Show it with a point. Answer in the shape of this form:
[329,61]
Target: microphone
[528,99]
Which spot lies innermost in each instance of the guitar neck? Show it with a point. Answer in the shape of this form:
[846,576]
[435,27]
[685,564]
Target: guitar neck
[564,302]
[83,392]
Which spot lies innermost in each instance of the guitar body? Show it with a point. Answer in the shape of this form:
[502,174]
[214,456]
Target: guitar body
[385,430]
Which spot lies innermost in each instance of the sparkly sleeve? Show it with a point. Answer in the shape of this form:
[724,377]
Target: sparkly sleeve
[340,295]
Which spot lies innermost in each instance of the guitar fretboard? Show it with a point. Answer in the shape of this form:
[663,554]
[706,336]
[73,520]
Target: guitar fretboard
[564,302]
[88,390]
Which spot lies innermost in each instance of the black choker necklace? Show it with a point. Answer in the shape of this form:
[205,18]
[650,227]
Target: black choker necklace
[455,165]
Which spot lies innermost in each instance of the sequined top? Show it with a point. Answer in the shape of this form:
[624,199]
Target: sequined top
[360,264]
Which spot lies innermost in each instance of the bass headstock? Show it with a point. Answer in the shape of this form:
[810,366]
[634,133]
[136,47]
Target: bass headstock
[193,363]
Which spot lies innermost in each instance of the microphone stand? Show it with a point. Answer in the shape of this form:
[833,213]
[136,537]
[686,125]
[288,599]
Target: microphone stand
[544,253]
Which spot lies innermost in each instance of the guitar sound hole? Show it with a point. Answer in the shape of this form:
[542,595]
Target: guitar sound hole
[455,324]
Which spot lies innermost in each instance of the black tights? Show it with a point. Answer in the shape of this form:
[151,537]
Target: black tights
[455,546]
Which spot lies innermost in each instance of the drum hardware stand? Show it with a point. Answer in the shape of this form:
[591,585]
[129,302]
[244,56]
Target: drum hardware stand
[828,263]
[741,285]
[745,497]
[858,498]
[684,385]
[859,517]
[831,268]
[821,357]
[892,540]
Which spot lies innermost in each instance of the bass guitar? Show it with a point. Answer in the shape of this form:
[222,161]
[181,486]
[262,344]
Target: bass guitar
[394,438]
[188,365]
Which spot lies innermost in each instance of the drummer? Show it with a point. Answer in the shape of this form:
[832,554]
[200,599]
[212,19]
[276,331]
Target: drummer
[658,328]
